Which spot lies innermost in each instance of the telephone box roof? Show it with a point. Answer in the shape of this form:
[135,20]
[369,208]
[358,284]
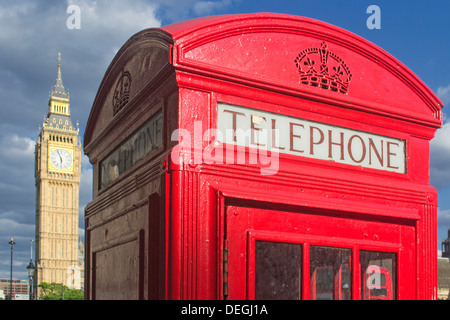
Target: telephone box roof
[271,51]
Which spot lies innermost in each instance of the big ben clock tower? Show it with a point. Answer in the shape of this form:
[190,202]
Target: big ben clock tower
[57,172]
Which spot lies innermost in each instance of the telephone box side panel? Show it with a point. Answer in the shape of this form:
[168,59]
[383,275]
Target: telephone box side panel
[129,158]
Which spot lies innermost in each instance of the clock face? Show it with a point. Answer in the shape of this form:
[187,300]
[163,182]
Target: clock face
[61,159]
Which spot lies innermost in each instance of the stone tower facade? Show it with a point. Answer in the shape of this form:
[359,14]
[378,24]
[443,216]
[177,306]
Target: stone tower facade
[57,173]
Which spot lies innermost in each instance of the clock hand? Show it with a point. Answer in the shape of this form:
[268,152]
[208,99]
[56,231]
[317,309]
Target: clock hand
[60,158]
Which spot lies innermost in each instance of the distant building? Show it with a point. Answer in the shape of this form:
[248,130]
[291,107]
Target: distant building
[443,279]
[445,246]
[444,270]
[19,287]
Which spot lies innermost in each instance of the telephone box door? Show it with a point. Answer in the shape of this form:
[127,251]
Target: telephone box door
[295,254]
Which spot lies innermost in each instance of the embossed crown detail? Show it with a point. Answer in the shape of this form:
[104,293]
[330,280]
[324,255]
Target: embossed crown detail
[319,67]
[122,92]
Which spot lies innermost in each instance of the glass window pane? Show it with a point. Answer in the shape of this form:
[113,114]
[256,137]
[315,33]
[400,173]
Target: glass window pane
[331,274]
[277,270]
[378,275]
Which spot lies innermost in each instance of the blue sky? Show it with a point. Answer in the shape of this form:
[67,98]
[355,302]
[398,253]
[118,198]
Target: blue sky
[33,32]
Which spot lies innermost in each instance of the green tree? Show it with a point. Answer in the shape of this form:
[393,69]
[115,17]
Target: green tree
[56,291]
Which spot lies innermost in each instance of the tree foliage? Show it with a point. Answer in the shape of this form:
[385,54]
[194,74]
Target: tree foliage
[57,291]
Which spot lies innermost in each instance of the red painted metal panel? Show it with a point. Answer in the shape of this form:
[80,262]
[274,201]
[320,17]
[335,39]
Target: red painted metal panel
[245,225]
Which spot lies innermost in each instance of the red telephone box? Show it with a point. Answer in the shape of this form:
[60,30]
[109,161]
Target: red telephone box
[260,156]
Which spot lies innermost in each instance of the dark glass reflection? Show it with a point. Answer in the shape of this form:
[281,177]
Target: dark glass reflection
[277,271]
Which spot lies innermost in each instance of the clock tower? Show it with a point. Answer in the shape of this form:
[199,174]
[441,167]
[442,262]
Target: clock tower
[57,172]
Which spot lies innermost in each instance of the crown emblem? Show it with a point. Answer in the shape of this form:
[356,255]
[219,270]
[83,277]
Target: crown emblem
[122,92]
[319,67]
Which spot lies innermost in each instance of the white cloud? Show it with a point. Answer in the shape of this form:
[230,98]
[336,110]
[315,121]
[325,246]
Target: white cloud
[85,187]
[17,148]
[176,10]
[17,195]
[440,157]
[85,164]
[16,164]
[116,18]
[12,15]
[86,181]
[441,140]
[444,94]
[207,7]
[443,217]
[12,227]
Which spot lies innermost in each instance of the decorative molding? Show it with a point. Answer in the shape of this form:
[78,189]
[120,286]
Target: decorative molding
[319,67]
[122,92]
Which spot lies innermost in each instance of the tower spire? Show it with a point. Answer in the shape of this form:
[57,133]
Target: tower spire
[58,103]
[58,89]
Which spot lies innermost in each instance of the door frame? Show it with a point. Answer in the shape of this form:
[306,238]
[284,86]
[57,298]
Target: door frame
[306,241]
[227,195]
